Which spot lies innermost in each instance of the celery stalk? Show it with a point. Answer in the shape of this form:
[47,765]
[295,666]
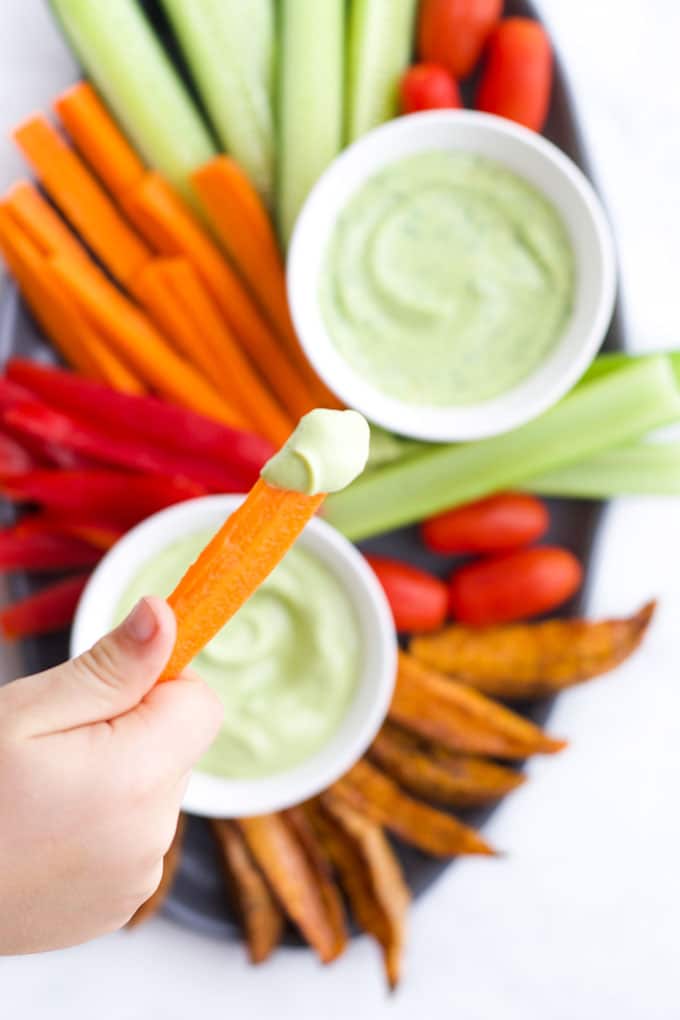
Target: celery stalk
[229,51]
[639,469]
[260,41]
[118,49]
[611,361]
[609,412]
[310,99]
[386,448]
[379,46]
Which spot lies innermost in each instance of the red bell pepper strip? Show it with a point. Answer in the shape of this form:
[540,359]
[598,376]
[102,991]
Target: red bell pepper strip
[57,456]
[12,393]
[48,610]
[35,419]
[100,533]
[114,495]
[46,453]
[14,458]
[44,552]
[43,451]
[148,419]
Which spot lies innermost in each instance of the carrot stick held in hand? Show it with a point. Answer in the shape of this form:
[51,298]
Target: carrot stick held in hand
[326,452]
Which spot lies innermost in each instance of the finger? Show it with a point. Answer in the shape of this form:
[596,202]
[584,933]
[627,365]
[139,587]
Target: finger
[167,733]
[102,683]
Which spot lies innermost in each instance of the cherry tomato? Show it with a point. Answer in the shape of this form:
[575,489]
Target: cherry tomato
[429,87]
[453,32]
[418,600]
[517,77]
[499,523]
[514,586]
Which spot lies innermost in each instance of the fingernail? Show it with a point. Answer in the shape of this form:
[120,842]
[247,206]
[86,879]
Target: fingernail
[141,624]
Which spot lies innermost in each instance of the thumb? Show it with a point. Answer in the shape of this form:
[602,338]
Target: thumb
[106,681]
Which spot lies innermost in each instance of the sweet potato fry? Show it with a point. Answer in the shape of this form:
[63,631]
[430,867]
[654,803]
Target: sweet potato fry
[462,719]
[369,791]
[320,864]
[277,850]
[434,773]
[529,660]
[370,875]
[170,865]
[261,917]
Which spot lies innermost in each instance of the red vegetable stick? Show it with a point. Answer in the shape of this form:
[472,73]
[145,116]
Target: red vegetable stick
[100,533]
[14,458]
[160,423]
[12,393]
[115,495]
[44,552]
[48,454]
[34,419]
[49,610]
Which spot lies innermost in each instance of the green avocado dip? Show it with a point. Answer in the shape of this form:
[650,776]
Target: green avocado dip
[326,452]
[285,666]
[448,279]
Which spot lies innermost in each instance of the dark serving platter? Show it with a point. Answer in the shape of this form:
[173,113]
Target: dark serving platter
[197,898]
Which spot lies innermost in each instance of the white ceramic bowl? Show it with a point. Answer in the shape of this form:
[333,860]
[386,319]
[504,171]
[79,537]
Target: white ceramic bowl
[542,165]
[213,796]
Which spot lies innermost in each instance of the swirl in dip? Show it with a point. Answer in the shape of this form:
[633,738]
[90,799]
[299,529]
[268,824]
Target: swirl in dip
[448,279]
[285,667]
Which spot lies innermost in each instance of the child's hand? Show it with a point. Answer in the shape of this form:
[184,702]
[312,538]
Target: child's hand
[93,764]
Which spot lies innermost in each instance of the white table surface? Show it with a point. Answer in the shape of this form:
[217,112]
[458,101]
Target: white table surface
[579,919]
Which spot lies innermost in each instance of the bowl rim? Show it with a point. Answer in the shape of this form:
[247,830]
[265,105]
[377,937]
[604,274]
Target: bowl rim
[213,796]
[531,396]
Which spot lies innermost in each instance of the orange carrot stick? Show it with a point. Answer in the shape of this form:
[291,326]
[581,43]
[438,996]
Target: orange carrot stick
[223,186]
[175,297]
[244,228]
[47,314]
[59,317]
[98,138]
[171,229]
[40,222]
[81,199]
[242,225]
[137,340]
[234,564]
[150,288]
[227,357]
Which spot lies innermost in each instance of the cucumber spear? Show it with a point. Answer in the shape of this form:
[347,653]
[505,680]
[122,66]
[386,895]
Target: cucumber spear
[379,47]
[310,99]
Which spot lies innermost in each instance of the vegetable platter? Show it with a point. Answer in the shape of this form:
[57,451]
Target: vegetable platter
[196,896]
